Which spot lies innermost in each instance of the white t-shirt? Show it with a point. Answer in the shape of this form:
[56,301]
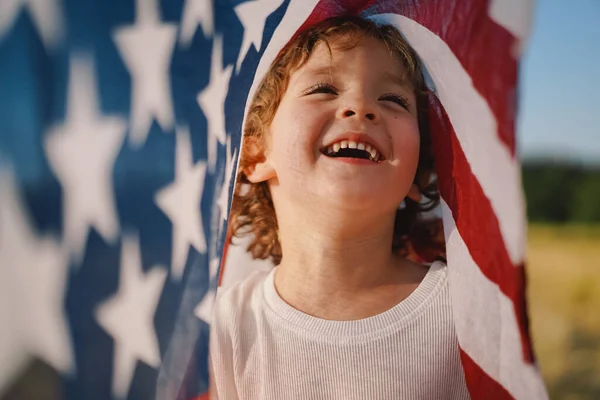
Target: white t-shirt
[262,348]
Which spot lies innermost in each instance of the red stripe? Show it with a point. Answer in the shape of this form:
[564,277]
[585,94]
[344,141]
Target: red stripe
[335,8]
[224,256]
[475,219]
[483,47]
[480,384]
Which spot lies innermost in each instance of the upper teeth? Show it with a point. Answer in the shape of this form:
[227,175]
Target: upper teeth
[334,148]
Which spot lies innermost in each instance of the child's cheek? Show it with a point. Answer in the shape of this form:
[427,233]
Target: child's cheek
[304,130]
[406,142]
[290,143]
[405,135]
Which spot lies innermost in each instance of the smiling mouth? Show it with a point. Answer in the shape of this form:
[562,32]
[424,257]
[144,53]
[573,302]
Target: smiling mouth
[352,149]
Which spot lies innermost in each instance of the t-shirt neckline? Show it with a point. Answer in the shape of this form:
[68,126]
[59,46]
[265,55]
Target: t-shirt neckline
[394,318]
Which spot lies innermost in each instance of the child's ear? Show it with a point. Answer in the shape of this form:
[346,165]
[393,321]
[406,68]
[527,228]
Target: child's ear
[414,193]
[261,171]
[422,179]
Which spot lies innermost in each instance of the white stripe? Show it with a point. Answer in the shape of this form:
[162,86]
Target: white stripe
[498,173]
[514,16]
[485,321]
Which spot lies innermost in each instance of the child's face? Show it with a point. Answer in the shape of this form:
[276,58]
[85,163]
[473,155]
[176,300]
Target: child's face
[354,95]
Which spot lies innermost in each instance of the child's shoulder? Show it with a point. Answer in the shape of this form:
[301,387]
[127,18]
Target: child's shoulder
[234,301]
[242,290]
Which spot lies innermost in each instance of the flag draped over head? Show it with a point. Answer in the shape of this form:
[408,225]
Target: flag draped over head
[121,127]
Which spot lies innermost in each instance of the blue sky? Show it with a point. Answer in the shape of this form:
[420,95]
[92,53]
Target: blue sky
[560,82]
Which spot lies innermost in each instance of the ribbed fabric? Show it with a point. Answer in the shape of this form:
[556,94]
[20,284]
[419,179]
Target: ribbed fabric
[262,348]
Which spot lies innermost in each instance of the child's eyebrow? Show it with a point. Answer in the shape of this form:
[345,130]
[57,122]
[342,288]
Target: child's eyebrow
[397,79]
[319,71]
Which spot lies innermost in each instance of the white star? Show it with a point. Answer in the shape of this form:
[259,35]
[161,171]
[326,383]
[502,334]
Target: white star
[212,100]
[82,153]
[181,202]
[253,15]
[223,201]
[213,268]
[146,48]
[129,316]
[46,15]
[196,12]
[34,271]
[204,309]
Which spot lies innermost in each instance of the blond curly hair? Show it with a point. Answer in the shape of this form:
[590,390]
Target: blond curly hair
[252,210]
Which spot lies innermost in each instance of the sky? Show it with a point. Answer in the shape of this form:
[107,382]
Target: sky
[559,114]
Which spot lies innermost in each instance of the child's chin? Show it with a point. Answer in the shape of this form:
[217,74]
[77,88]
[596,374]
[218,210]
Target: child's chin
[357,197]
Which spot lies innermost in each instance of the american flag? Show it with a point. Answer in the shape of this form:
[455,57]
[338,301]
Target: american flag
[120,126]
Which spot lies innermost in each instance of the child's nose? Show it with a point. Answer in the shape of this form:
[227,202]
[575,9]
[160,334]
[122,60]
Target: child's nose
[350,113]
[360,110]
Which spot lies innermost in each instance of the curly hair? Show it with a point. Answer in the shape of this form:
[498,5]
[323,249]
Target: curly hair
[252,210]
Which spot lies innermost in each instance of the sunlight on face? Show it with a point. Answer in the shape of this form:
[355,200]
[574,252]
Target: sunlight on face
[354,96]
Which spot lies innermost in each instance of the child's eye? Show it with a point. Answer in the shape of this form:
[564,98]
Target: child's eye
[396,98]
[321,88]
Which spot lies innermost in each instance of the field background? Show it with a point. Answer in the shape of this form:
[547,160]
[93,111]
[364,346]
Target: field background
[564,307]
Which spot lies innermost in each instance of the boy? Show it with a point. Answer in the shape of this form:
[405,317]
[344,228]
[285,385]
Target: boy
[336,138]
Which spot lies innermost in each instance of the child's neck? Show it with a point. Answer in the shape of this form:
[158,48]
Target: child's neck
[343,272]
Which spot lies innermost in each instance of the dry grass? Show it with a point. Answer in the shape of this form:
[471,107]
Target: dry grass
[564,305]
